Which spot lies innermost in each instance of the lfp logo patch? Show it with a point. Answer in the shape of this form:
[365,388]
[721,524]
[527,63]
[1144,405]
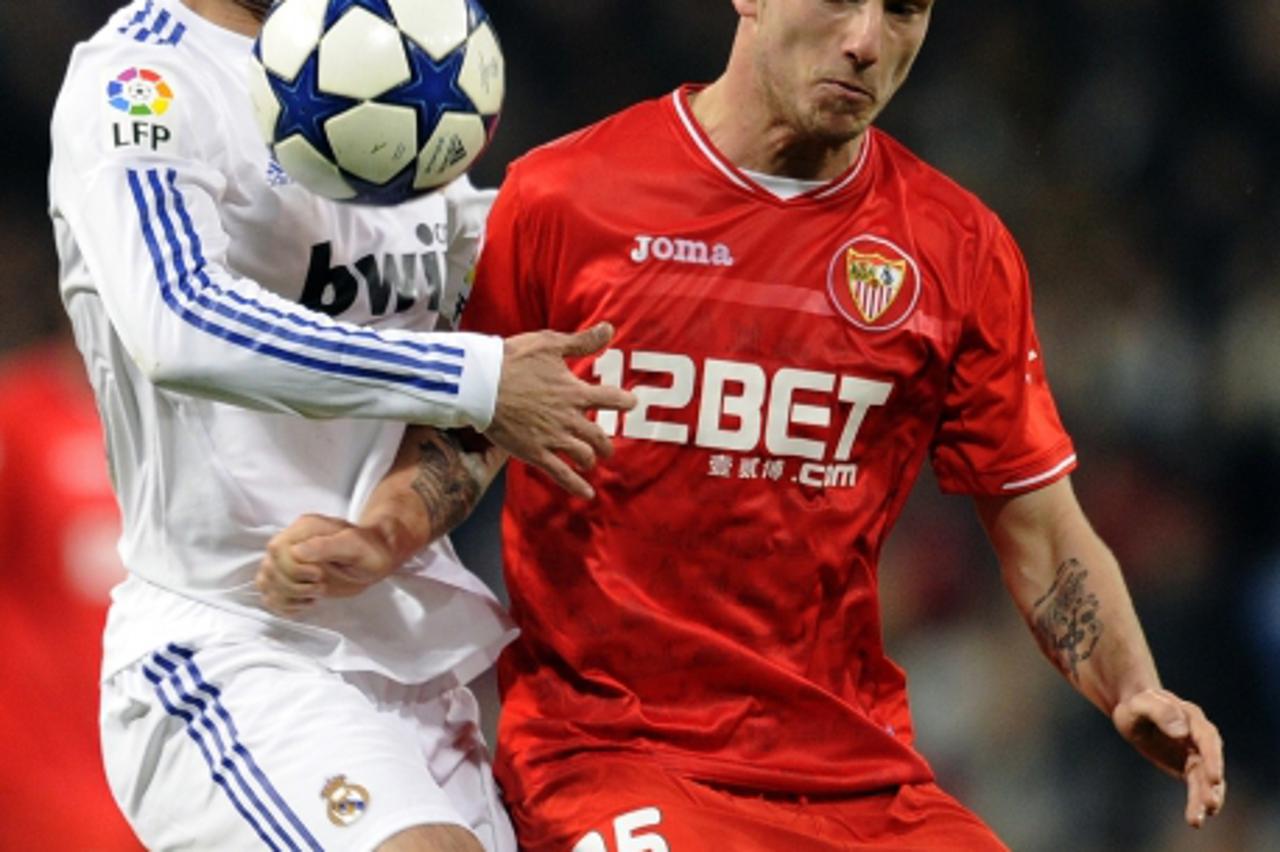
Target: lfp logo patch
[874,284]
[139,91]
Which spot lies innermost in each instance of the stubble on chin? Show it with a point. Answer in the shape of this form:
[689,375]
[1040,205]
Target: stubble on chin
[835,124]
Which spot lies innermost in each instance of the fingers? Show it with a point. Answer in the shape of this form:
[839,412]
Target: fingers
[288,584]
[543,409]
[596,442]
[1178,737]
[288,590]
[1205,769]
[1162,709]
[1154,722]
[1207,741]
[1201,794]
[588,438]
[583,445]
[588,341]
[581,453]
[608,397]
[1205,796]
[346,547]
[351,560]
[563,475]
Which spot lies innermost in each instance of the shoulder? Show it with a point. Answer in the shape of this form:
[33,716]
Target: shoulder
[574,160]
[141,61]
[124,96]
[933,190]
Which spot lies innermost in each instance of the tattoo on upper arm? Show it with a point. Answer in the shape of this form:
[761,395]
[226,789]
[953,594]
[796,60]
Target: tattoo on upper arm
[446,481]
[1065,619]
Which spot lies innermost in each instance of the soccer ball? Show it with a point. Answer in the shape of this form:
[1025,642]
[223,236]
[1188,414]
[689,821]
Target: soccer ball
[376,101]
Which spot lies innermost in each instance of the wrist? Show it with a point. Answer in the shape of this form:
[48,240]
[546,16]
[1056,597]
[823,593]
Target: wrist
[398,539]
[1125,688]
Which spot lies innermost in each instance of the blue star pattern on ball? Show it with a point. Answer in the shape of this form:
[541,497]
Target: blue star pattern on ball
[475,15]
[373,149]
[393,191]
[310,107]
[432,89]
[338,8]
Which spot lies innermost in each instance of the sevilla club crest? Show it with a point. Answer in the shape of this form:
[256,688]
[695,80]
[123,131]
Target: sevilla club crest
[874,284]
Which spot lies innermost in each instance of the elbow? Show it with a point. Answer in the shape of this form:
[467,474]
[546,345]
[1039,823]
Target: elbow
[167,374]
[169,367]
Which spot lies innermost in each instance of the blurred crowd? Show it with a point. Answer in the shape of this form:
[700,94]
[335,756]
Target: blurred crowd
[1131,146]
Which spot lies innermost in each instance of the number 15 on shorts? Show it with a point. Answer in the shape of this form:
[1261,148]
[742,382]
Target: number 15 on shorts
[632,832]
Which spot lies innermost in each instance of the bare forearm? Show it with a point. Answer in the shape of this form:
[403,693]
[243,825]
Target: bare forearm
[1078,608]
[1071,592]
[1069,589]
[433,485]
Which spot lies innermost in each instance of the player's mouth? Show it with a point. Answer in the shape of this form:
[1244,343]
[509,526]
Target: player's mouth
[850,95]
[848,91]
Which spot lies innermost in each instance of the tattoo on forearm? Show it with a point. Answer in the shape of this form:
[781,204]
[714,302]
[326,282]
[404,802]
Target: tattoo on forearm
[1065,619]
[445,482]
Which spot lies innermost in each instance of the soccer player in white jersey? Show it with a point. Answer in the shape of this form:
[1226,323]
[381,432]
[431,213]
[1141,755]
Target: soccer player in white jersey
[255,356]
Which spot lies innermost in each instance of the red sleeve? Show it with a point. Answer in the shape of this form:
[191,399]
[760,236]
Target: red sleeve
[508,296]
[1000,432]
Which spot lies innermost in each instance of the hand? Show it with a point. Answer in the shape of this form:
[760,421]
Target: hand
[1176,736]
[318,556]
[541,409]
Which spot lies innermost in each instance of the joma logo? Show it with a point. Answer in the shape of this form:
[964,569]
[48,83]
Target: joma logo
[680,250]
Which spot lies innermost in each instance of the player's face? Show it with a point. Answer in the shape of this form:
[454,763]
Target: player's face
[828,67]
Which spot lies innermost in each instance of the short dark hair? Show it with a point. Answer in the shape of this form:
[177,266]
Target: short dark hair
[257,7]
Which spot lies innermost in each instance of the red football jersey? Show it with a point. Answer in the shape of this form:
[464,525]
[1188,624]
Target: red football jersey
[795,360]
[58,529]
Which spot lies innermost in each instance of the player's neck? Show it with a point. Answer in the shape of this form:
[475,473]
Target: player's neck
[227,14]
[736,114]
[742,129]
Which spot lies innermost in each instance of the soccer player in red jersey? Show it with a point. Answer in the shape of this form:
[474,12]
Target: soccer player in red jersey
[806,311]
[58,528]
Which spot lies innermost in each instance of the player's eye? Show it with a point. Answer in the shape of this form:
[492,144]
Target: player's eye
[907,8]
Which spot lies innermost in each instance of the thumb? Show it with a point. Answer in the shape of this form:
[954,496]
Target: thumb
[1174,724]
[343,547]
[1157,710]
[590,340]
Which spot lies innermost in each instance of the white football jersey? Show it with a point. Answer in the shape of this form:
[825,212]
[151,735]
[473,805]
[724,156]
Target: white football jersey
[215,302]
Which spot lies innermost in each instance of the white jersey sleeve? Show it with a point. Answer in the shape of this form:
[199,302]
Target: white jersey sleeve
[144,198]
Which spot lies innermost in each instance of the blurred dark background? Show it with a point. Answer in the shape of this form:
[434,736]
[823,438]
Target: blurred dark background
[1133,148]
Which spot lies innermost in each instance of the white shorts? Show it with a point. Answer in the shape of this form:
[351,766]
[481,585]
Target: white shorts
[234,745]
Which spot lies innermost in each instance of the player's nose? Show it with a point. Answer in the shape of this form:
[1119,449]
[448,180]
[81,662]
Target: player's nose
[863,33]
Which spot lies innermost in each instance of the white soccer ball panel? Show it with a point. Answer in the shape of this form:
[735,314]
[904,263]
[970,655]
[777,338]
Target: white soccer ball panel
[266,109]
[457,141]
[290,34]
[482,75]
[361,56]
[374,141]
[438,26]
[308,167]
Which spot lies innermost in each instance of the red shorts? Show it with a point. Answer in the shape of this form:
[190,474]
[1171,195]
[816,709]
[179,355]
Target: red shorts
[625,804]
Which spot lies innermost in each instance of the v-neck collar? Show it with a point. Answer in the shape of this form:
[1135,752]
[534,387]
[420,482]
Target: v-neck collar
[840,186]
